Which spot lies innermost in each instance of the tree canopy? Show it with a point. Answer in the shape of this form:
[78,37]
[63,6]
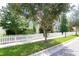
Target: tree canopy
[42,13]
[14,24]
[63,25]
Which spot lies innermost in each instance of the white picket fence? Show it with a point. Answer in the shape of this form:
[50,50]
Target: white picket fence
[27,38]
[19,38]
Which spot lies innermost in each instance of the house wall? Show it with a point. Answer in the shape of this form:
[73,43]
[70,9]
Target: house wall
[2,31]
[56,26]
[37,28]
[36,25]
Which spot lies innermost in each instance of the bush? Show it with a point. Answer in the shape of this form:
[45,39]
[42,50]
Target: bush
[29,31]
[23,31]
[10,32]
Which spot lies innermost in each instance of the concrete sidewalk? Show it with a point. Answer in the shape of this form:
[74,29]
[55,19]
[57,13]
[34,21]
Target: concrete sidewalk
[52,50]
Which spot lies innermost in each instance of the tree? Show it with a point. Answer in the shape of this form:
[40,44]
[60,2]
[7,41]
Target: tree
[70,25]
[44,14]
[75,17]
[14,24]
[63,25]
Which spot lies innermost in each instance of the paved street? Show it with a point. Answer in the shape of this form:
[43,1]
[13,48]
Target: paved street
[69,50]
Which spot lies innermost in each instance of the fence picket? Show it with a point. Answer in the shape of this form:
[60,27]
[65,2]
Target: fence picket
[19,38]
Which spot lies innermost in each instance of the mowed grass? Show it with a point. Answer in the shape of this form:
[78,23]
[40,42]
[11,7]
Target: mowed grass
[27,49]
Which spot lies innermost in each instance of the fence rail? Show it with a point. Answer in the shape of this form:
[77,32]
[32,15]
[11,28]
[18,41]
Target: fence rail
[28,38]
[19,38]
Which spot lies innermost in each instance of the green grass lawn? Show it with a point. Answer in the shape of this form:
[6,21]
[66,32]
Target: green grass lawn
[26,49]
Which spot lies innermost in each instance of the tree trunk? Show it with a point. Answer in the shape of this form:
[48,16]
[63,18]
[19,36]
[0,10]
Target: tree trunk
[65,34]
[15,31]
[76,31]
[45,35]
[62,33]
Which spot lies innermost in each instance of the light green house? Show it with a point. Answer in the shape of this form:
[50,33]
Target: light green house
[33,25]
[2,31]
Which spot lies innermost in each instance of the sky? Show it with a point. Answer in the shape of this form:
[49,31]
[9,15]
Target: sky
[69,13]
[2,4]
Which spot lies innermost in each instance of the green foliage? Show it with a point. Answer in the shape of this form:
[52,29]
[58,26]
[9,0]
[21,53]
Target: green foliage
[63,25]
[26,49]
[0,23]
[14,24]
[70,25]
[29,31]
[44,14]
[75,17]
[1,35]
[77,22]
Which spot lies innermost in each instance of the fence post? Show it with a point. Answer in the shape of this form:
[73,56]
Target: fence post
[15,37]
